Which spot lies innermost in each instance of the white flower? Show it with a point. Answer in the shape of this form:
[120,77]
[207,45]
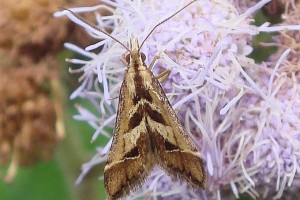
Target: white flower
[243,117]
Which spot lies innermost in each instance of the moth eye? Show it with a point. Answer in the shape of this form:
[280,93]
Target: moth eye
[143,56]
[127,58]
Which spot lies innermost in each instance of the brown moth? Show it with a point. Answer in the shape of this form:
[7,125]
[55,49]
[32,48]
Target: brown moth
[147,131]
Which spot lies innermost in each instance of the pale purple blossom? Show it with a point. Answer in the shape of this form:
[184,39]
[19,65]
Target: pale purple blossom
[242,116]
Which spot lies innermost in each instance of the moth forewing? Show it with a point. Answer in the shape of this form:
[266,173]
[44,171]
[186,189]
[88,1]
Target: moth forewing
[147,133]
[175,151]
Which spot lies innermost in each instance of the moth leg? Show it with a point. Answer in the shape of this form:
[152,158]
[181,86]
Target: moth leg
[151,66]
[123,59]
[163,76]
[113,98]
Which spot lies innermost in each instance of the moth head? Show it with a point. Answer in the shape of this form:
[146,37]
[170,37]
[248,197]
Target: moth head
[134,55]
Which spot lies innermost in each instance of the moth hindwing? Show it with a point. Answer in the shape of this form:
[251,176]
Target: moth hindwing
[147,133]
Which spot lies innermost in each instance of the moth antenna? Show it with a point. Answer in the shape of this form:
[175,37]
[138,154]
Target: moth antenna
[95,27]
[163,21]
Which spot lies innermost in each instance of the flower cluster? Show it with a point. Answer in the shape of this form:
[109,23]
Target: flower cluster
[243,116]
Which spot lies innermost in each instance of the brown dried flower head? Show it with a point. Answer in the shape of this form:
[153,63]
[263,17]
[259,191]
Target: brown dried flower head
[27,116]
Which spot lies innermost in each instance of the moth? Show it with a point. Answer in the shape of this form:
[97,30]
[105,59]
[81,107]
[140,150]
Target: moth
[147,131]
